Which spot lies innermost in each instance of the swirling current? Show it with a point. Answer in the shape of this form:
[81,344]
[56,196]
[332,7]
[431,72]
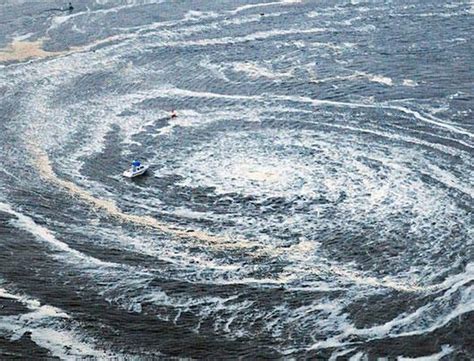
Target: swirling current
[312,199]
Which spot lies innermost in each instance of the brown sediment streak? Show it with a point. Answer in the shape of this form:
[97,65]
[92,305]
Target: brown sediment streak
[23,50]
[20,50]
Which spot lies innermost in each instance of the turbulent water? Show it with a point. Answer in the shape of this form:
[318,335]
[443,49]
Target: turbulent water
[313,198]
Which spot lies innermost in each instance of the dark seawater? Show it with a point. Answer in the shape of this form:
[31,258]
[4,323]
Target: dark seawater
[313,198]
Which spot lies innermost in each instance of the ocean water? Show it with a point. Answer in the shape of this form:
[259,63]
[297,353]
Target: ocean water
[313,198]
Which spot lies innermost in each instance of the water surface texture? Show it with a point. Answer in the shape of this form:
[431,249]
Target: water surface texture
[313,198]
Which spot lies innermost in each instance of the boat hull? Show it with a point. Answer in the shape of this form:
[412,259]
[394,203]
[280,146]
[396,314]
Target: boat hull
[130,174]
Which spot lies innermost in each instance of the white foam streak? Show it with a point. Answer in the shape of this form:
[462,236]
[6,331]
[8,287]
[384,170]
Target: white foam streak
[409,82]
[336,354]
[357,357]
[274,3]
[445,350]
[45,235]
[381,79]
[260,35]
[398,137]
[255,70]
[61,19]
[396,328]
[432,120]
[417,115]
[47,329]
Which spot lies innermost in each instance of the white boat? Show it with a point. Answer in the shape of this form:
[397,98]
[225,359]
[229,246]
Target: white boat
[136,169]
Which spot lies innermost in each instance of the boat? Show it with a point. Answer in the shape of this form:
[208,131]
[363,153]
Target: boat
[136,169]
